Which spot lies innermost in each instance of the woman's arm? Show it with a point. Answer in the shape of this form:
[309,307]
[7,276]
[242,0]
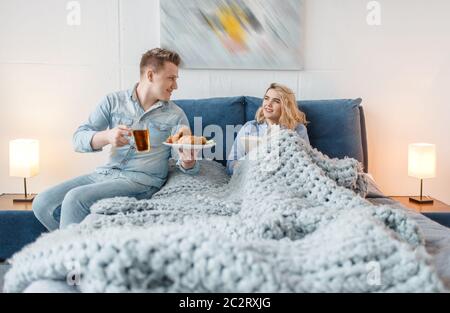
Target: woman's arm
[238,150]
[303,132]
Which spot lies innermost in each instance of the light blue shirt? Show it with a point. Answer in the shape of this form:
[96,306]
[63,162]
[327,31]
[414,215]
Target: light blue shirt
[123,108]
[253,128]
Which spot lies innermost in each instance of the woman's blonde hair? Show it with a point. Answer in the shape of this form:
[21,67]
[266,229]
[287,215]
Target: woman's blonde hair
[291,116]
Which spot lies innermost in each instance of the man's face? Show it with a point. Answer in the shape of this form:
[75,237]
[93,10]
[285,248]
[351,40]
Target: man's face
[165,81]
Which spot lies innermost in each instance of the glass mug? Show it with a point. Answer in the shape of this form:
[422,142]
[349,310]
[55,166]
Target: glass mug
[141,136]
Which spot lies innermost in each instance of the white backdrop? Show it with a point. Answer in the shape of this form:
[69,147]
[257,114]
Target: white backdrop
[52,75]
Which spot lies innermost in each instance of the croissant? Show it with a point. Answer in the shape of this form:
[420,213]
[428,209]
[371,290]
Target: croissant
[184,131]
[192,140]
[184,136]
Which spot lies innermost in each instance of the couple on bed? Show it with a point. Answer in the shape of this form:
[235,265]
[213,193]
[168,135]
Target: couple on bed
[131,174]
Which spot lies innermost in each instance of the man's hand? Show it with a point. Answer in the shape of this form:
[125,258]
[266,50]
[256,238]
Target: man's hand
[188,157]
[117,137]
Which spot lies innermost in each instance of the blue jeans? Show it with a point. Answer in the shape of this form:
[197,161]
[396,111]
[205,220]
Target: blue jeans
[70,202]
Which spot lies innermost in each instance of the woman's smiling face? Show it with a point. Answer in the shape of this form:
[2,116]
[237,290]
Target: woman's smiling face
[272,106]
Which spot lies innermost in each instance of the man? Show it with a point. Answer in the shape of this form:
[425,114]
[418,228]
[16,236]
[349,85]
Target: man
[128,172]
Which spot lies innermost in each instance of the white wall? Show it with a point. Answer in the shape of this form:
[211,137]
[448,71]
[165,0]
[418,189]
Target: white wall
[52,75]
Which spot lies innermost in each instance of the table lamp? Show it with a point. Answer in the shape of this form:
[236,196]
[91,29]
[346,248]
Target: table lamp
[24,162]
[422,164]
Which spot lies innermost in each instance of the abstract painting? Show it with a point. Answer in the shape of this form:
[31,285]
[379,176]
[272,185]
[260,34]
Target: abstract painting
[234,34]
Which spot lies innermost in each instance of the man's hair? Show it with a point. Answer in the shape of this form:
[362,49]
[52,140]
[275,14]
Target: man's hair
[155,59]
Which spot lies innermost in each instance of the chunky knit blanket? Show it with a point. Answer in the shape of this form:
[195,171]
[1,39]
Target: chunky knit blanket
[289,220]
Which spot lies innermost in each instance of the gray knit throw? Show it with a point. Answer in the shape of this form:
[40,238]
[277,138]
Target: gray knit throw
[289,220]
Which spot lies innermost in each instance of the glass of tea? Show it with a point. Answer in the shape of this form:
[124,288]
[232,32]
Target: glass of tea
[141,136]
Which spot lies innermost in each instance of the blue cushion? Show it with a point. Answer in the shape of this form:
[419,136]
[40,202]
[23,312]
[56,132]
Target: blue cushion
[441,218]
[215,111]
[334,128]
[17,229]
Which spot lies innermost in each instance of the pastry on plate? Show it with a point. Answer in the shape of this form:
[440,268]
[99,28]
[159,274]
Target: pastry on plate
[184,131]
[184,137]
[192,140]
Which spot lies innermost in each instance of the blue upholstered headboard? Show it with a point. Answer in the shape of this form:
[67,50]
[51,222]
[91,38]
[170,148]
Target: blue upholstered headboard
[336,127]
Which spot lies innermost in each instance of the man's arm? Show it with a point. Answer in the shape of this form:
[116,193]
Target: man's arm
[189,167]
[115,137]
[100,140]
[91,136]
[187,162]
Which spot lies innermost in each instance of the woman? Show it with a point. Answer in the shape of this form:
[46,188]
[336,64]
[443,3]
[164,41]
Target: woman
[278,108]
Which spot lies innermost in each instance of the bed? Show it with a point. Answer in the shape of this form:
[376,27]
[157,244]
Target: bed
[437,236]
[337,129]
[437,244]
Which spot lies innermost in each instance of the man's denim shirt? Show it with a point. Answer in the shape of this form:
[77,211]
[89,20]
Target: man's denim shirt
[123,108]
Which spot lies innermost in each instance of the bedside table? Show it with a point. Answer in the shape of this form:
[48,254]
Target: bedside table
[7,204]
[18,225]
[437,211]
[436,207]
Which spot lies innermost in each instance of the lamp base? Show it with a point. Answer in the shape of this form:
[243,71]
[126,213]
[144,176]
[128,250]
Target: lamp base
[22,198]
[423,200]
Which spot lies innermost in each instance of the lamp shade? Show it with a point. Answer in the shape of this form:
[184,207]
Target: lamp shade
[422,160]
[23,158]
